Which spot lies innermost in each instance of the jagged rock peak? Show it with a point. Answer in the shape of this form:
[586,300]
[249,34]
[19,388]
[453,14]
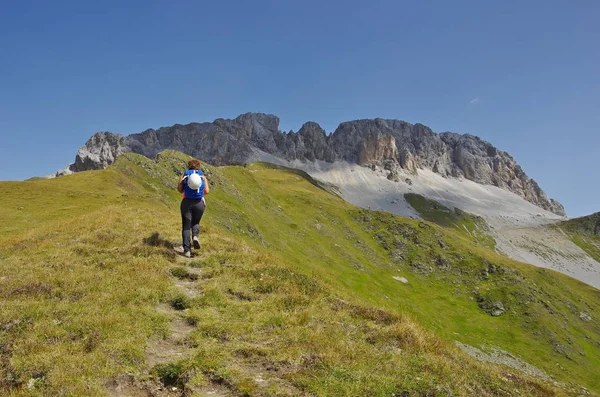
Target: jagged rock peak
[100,151]
[367,142]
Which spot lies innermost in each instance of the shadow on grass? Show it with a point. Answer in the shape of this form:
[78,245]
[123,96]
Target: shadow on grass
[155,240]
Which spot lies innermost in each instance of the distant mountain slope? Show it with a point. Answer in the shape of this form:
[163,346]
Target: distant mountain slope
[585,232]
[589,225]
[392,144]
[521,230]
[295,292]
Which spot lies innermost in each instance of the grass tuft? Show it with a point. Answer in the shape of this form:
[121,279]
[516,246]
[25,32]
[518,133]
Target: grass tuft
[180,302]
[182,273]
[172,374]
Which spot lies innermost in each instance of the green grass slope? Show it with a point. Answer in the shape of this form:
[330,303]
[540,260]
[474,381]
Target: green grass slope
[472,225]
[585,232]
[295,292]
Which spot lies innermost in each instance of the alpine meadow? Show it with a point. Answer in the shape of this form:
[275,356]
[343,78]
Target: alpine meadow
[295,292]
[299,198]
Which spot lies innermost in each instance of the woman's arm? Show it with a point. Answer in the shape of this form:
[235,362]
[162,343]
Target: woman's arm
[180,184]
[206,187]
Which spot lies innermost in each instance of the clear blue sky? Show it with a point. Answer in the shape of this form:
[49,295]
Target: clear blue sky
[522,75]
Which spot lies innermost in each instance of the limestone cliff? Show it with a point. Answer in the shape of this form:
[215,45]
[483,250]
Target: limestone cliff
[392,144]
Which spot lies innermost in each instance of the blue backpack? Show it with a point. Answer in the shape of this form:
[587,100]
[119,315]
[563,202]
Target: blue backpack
[187,191]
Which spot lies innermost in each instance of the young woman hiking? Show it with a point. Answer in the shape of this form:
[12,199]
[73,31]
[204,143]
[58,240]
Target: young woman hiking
[194,185]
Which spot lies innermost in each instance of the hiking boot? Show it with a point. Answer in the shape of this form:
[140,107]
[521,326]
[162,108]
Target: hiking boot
[187,254]
[196,243]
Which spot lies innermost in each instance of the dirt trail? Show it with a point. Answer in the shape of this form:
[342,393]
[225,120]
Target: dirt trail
[170,349]
[176,346]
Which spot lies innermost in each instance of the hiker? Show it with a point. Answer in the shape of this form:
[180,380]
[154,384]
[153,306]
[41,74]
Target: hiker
[194,185]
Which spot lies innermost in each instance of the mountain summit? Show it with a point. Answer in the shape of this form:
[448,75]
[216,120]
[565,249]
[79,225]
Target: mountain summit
[392,144]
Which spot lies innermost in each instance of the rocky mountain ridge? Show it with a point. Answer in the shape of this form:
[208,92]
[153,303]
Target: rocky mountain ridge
[392,144]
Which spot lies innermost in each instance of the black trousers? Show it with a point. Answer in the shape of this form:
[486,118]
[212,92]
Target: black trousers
[191,214]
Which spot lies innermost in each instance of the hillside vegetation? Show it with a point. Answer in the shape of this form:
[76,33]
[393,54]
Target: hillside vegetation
[473,225]
[585,232]
[295,292]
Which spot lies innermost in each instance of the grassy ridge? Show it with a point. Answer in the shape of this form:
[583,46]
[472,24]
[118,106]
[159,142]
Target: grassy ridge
[474,226]
[332,240]
[78,284]
[586,224]
[294,279]
[585,232]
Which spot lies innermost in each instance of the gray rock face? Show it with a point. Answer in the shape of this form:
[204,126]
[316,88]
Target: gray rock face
[100,151]
[206,141]
[585,316]
[393,144]
[498,309]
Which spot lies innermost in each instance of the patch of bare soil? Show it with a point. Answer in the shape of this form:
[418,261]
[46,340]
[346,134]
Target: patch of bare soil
[129,386]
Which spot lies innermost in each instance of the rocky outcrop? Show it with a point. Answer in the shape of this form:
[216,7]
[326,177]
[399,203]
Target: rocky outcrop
[392,144]
[310,143]
[100,151]
[210,142]
[377,148]
[481,162]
